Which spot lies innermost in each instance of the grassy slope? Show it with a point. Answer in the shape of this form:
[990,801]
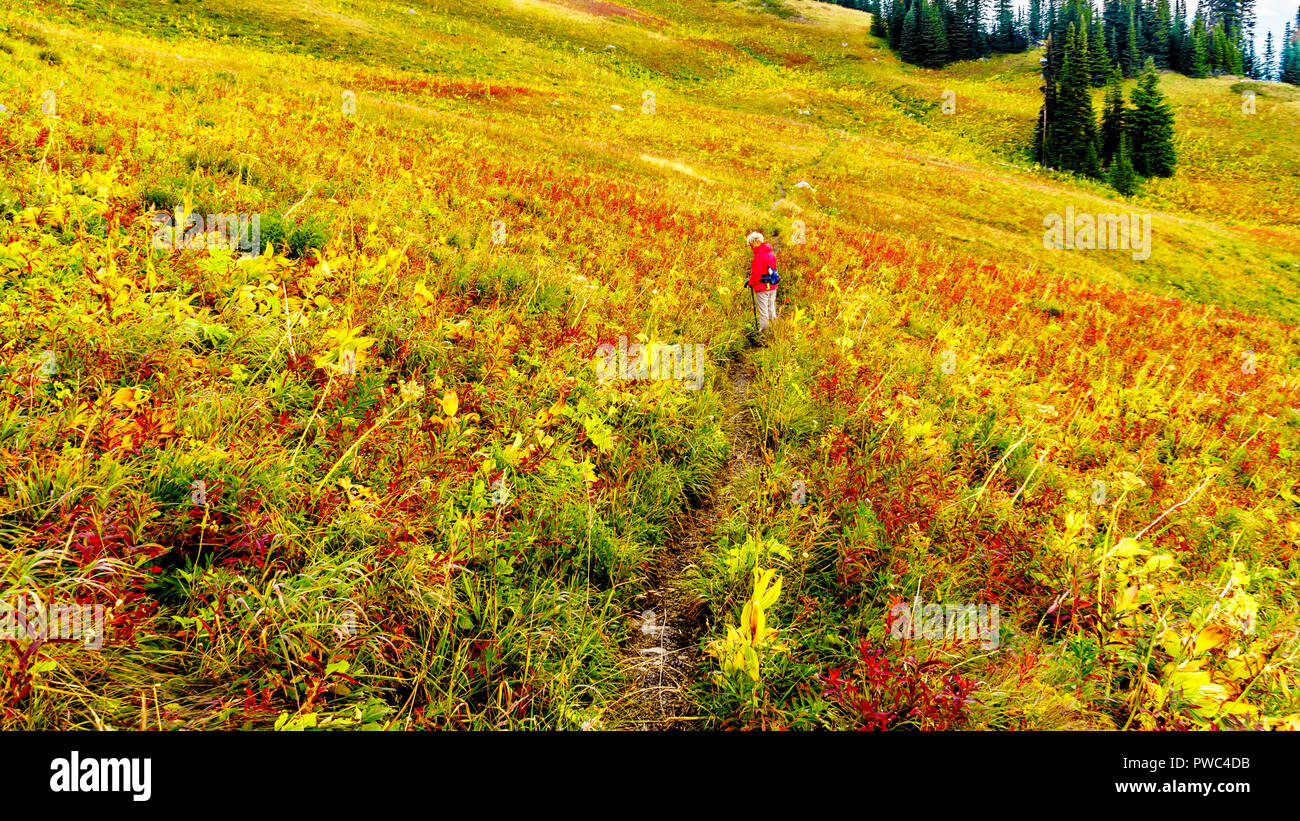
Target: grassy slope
[1236,185]
[470,112]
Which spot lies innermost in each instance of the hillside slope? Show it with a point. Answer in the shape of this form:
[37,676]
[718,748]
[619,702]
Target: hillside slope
[422,507]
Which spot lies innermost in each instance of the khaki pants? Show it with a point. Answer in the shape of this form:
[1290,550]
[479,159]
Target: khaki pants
[765,303]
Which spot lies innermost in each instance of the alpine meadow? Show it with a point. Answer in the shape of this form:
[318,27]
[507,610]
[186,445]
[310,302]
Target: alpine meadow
[649,365]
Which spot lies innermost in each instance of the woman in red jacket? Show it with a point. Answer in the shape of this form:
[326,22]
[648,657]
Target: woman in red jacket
[761,272]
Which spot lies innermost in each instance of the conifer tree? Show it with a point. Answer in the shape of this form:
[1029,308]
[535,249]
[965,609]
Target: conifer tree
[1054,49]
[1044,132]
[1179,57]
[897,20]
[1266,66]
[1003,36]
[1122,177]
[1236,56]
[1111,12]
[1144,14]
[957,27]
[1249,57]
[975,24]
[1198,64]
[1290,63]
[1151,127]
[879,26]
[1112,117]
[1160,37]
[1075,141]
[1098,57]
[909,47]
[934,44]
[1129,59]
[1225,53]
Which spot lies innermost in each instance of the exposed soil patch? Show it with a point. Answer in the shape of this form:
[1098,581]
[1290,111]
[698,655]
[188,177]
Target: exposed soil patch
[603,8]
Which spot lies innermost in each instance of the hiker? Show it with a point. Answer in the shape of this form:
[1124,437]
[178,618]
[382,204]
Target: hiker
[762,280]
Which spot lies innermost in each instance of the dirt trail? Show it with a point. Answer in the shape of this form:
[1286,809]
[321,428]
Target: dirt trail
[662,656]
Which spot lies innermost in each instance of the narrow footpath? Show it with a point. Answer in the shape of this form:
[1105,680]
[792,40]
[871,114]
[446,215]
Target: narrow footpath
[663,658]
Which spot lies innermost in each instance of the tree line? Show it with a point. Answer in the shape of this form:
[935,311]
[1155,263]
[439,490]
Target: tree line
[1219,38]
[1132,140]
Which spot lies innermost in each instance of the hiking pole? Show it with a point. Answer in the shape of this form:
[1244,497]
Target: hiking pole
[753,298]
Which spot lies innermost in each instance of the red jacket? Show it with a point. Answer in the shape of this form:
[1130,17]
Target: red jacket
[763,259]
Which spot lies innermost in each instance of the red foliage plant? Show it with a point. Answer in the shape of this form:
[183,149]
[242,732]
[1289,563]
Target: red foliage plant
[881,693]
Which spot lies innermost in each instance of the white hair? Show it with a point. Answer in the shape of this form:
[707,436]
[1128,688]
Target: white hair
[753,238]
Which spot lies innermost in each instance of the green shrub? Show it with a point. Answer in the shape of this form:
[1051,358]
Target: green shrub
[160,199]
[293,240]
[307,236]
[275,231]
[221,162]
